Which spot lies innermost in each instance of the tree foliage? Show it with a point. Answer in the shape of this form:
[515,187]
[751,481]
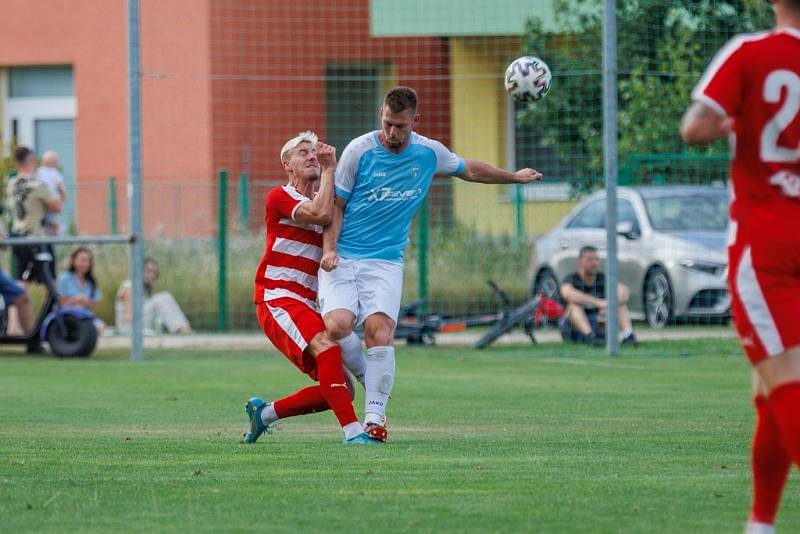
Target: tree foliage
[663,48]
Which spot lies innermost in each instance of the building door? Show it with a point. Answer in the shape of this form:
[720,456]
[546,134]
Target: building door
[59,135]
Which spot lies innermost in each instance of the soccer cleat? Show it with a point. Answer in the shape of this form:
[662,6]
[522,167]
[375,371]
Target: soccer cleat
[376,431]
[254,407]
[363,439]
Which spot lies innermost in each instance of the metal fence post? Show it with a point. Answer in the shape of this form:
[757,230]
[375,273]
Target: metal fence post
[519,212]
[244,205]
[135,180]
[511,165]
[222,253]
[610,163]
[422,258]
[112,205]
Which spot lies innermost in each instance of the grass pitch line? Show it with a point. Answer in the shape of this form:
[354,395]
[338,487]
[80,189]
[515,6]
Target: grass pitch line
[575,361]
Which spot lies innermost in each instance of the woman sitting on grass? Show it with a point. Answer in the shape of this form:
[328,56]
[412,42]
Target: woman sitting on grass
[77,286]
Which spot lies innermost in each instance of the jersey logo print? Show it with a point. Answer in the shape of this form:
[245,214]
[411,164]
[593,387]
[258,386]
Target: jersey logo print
[387,194]
[788,182]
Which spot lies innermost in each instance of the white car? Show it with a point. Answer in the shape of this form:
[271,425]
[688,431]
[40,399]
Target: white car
[672,250]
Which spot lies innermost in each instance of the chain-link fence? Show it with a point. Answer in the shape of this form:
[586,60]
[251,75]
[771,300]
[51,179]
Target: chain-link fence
[226,82]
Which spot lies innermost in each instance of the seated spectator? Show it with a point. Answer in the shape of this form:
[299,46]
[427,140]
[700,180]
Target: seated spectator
[584,291]
[15,295]
[77,286]
[161,311]
[49,173]
[29,201]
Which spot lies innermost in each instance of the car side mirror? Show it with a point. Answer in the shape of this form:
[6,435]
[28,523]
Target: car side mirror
[626,230]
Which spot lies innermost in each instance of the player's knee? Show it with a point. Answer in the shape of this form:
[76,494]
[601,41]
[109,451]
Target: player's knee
[337,328]
[382,338]
[379,331]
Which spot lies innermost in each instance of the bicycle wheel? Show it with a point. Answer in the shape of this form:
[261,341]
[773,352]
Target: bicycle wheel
[519,315]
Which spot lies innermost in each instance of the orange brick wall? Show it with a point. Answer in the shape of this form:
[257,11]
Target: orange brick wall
[217,74]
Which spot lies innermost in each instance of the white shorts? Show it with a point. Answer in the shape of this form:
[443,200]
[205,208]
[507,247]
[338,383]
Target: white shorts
[365,287]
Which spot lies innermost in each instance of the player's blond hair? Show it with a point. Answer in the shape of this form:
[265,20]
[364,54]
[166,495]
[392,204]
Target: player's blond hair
[303,137]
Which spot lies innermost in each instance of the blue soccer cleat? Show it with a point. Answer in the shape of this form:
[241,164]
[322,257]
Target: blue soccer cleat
[362,439]
[254,407]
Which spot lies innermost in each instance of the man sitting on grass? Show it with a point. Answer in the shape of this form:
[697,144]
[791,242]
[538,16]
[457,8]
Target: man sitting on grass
[584,291]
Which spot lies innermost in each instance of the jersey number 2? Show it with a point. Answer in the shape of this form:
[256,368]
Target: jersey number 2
[773,87]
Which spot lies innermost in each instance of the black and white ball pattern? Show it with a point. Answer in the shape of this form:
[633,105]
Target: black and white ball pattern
[528,79]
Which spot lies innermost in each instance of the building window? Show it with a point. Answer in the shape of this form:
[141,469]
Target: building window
[40,81]
[352,99]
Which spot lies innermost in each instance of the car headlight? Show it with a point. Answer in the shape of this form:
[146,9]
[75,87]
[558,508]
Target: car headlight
[708,267]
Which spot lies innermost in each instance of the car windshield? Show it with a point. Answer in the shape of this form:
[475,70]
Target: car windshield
[700,212]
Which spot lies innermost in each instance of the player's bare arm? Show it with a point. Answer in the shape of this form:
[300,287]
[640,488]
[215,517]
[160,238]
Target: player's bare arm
[320,210]
[330,235]
[575,296]
[702,125]
[483,173]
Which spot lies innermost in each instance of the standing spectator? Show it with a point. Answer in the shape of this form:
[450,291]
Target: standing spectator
[29,201]
[49,173]
[160,309]
[77,286]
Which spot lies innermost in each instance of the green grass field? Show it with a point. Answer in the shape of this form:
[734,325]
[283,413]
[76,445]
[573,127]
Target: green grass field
[550,440]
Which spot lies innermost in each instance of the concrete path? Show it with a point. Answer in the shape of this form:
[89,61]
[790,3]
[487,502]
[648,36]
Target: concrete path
[257,341]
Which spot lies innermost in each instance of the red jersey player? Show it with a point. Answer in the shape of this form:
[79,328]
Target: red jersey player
[286,292]
[751,90]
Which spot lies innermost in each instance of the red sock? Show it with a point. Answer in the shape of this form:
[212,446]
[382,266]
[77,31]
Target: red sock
[784,404]
[334,385]
[771,464]
[307,400]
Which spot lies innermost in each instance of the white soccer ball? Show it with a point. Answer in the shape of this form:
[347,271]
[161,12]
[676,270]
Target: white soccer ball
[528,79]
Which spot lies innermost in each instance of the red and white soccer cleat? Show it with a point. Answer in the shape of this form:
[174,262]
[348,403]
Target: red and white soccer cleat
[376,431]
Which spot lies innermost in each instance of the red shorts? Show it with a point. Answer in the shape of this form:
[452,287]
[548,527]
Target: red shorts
[291,325]
[764,279]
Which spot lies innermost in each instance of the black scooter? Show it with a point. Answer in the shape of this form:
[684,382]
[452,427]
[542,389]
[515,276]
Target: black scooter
[69,330]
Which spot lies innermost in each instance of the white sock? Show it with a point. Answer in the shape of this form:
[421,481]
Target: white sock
[353,357]
[625,333]
[379,379]
[352,430]
[268,415]
[759,528]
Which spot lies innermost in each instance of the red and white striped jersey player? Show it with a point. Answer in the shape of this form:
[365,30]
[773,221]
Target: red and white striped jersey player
[751,91]
[286,294]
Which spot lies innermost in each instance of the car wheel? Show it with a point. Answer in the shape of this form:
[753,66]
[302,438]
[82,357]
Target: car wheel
[657,298]
[547,285]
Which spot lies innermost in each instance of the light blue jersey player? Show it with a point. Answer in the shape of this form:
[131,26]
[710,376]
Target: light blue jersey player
[381,180]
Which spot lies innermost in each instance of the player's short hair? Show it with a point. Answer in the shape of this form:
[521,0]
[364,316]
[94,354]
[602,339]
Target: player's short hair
[586,250]
[303,137]
[400,99]
[21,153]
